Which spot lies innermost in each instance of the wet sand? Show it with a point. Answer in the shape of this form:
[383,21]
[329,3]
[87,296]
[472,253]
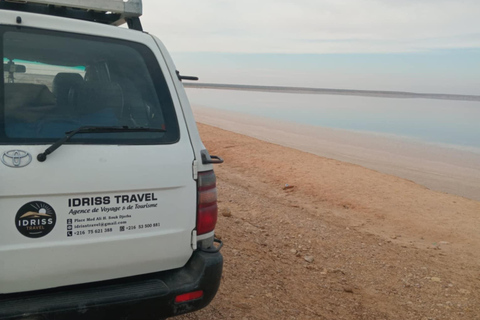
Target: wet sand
[441,168]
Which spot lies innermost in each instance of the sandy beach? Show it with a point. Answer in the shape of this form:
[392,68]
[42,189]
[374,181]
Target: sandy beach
[441,168]
[342,241]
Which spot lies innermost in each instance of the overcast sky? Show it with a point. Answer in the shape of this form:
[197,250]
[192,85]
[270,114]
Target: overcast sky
[240,41]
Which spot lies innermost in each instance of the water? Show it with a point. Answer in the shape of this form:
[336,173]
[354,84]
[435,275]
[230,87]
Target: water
[434,121]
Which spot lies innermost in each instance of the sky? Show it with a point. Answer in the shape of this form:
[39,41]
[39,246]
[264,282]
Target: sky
[407,45]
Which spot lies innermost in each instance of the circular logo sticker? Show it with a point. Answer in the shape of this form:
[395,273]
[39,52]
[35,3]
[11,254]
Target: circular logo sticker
[35,219]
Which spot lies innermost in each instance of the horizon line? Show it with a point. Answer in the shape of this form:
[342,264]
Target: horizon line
[329,91]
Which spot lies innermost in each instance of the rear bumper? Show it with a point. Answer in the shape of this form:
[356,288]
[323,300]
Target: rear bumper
[149,296]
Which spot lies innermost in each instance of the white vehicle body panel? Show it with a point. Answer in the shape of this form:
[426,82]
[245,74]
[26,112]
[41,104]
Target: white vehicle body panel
[157,178]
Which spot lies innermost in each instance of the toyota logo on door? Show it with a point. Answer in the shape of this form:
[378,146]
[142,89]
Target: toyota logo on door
[16,158]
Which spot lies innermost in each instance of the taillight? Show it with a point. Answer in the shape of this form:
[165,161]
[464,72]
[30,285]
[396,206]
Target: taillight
[189,296]
[207,202]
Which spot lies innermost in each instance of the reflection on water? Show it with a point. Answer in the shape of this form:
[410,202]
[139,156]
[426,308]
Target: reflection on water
[437,121]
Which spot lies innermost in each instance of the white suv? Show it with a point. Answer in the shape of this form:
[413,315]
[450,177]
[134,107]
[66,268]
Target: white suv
[108,198]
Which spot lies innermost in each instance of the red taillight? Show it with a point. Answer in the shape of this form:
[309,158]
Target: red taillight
[189,296]
[207,202]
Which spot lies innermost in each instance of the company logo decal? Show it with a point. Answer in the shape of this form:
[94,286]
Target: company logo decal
[16,158]
[35,219]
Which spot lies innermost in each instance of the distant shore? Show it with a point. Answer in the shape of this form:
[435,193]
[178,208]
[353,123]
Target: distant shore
[364,93]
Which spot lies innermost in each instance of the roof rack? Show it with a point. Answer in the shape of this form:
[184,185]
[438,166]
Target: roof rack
[114,12]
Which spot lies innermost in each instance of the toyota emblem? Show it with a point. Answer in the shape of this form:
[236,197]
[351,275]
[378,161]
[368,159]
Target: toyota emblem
[16,158]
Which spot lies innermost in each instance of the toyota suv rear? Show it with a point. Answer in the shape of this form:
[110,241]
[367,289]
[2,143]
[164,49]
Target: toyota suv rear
[107,194]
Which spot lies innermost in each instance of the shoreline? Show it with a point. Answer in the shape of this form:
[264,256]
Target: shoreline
[453,170]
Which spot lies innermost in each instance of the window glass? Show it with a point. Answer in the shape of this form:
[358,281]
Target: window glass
[56,82]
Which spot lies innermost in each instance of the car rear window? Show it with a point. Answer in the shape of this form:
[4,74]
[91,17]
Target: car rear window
[56,82]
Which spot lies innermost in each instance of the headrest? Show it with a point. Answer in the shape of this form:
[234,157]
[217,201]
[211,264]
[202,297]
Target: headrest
[28,102]
[64,81]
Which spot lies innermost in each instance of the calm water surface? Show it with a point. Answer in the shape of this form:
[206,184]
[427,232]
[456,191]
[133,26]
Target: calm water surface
[436,121]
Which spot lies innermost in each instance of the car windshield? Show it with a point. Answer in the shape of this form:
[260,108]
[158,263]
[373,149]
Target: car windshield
[56,82]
